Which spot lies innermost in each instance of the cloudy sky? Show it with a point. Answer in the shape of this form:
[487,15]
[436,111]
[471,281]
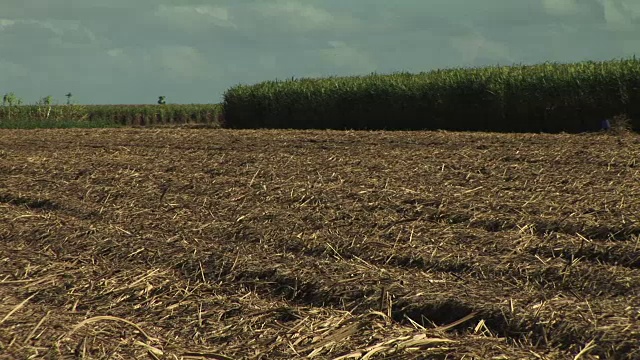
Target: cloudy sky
[132,51]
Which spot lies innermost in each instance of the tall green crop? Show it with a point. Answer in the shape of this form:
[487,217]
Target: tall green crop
[545,97]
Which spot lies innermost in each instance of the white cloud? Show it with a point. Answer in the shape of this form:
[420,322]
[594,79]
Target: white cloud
[47,25]
[561,7]
[5,23]
[301,16]
[474,46]
[199,17]
[115,52]
[176,62]
[344,57]
[57,28]
[58,33]
[622,14]
[181,62]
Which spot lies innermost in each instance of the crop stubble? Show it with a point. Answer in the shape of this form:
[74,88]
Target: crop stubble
[285,244]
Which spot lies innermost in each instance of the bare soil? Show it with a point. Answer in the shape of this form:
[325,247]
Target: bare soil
[219,244]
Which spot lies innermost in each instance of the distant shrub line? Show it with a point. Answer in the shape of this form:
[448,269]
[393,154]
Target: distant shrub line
[549,97]
[123,115]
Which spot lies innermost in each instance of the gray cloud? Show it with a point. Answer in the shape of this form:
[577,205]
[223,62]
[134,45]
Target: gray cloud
[123,51]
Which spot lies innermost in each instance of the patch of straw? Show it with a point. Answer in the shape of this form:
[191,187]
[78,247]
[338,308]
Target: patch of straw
[111,318]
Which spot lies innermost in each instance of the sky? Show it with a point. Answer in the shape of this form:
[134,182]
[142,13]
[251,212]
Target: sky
[132,51]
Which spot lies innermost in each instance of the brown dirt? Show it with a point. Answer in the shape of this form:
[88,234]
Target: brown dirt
[222,244]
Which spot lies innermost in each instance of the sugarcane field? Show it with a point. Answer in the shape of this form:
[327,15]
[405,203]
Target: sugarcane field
[320,180]
[326,244]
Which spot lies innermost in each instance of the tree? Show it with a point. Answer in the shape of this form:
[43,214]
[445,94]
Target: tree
[11,99]
[47,100]
[44,106]
[68,98]
[161,100]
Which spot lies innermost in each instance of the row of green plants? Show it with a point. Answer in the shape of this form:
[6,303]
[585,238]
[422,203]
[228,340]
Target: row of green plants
[549,97]
[169,114]
[45,114]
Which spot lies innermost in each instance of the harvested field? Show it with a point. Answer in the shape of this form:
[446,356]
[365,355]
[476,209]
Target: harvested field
[219,244]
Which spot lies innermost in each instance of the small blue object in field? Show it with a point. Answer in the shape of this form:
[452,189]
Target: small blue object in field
[605,124]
